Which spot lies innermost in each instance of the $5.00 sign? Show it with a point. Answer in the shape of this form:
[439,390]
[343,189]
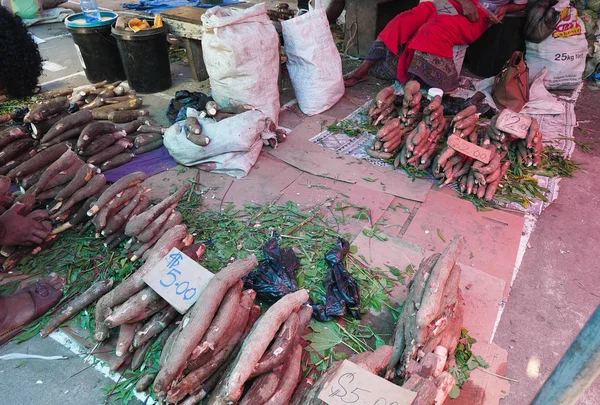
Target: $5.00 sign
[178,279]
[352,384]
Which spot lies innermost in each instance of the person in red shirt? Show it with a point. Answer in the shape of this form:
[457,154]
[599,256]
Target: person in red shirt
[419,43]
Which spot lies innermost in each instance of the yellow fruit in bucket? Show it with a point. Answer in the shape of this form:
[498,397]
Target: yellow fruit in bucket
[158,22]
[138,25]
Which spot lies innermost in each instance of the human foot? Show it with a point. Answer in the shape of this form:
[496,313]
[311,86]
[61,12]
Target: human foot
[28,304]
[355,77]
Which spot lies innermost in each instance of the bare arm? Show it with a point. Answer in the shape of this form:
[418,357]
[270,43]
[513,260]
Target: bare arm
[509,8]
[469,10]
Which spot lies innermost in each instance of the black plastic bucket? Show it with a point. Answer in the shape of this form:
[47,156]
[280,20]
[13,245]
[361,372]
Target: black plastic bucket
[97,49]
[145,56]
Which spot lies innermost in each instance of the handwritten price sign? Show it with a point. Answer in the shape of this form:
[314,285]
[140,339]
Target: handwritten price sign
[469,149]
[355,385]
[513,123]
[178,279]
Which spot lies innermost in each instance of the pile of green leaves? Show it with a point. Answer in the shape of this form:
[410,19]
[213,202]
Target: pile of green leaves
[353,128]
[12,105]
[466,361]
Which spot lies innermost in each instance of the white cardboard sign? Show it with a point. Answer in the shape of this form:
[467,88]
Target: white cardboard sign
[352,384]
[178,279]
[513,123]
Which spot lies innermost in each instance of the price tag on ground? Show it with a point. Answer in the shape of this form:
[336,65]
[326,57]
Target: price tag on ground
[352,384]
[513,123]
[178,279]
[469,149]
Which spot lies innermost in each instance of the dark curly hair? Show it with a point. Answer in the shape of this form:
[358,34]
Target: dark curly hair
[21,62]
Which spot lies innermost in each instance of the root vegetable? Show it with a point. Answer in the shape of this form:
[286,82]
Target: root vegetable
[75,306]
[445,155]
[65,176]
[145,382]
[131,127]
[155,326]
[280,348]
[149,147]
[77,218]
[15,149]
[66,161]
[411,88]
[135,283]
[147,138]
[117,99]
[151,129]
[31,179]
[119,220]
[120,185]
[193,125]
[292,372]
[102,113]
[93,131]
[139,307]
[12,134]
[109,153]
[117,161]
[199,140]
[120,117]
[231,386]
[491,189]
[69,135]
[470,121]
[101,143]
[175,218]
[126,334]
[378,154]
[47,109]
[140,353]
[481,190]
[229,344]
[467,112]
[119,201]
[93,187]
[492,166]
[212,108]
[77,119]
[49,193]
[262,389]
[532,132]
[430,303]
[24,157]
[222,320]
[200,318]
[82,176]
[383,95]
[136,225]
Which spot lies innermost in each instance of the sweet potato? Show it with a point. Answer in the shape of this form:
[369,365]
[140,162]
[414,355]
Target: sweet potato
[149,147]
[69,135]
[200,317]
[15,149]
[117,161]
[136,225]
[139,307]
[119,117]
[135,283]
[40,128]
[378,154]
[151,129]
[11,134]
[389,127]
[467,122]
[230,389]
[65,176]
[49,193]
[262,388]
[200,140]
[118,201]
[122,184]
[126,334]
[93,187]
[490,191]
[42,111]
[119,220]
[77,119]
[145,382]
[146,138]
[175,218]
